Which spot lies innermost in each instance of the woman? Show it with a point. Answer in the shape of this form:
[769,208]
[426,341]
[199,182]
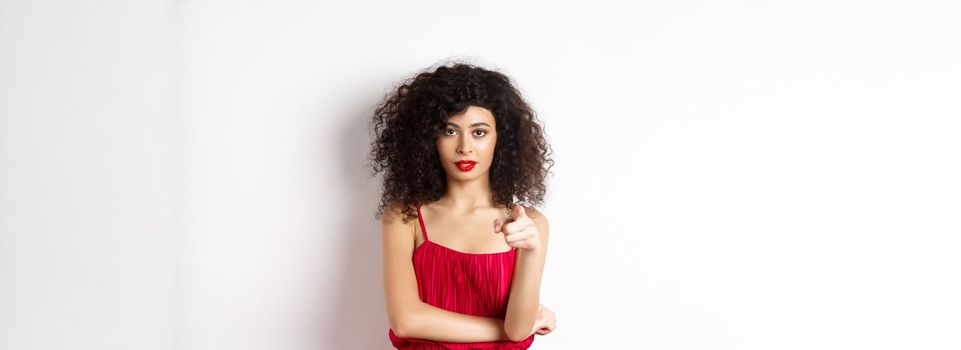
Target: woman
[457,145]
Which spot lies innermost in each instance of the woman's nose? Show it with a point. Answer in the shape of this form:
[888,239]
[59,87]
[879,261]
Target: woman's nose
[464,146]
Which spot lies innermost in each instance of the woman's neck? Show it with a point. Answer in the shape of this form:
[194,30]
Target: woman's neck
[469,195]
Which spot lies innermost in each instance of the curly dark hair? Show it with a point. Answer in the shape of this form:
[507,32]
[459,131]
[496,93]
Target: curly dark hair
[407,122]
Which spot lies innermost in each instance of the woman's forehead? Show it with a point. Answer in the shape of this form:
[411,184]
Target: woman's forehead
[471,117]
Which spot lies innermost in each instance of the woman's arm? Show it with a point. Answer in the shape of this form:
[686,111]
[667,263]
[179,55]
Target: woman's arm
[434,323]
[410,317]
[524,299]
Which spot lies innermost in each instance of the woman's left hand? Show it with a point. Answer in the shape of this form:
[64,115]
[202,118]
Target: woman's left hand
[519,230]
[546,321]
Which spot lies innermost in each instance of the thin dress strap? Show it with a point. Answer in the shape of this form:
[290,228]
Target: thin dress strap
[422,227]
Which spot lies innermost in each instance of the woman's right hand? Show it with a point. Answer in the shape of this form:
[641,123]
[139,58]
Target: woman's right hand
[546,322]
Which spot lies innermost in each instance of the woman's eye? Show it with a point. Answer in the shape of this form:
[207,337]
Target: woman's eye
[482,131]
[448,131]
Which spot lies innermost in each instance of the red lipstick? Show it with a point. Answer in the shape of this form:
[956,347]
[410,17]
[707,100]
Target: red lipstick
[465,165]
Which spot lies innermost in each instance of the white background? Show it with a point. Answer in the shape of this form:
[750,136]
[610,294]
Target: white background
[729,175]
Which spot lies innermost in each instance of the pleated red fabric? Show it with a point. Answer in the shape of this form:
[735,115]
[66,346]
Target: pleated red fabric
[467,283]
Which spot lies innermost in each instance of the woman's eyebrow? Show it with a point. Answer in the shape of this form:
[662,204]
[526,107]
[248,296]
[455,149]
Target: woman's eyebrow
[472,125]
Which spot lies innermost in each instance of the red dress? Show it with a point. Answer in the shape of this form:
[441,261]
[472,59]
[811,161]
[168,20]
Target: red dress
[467,283]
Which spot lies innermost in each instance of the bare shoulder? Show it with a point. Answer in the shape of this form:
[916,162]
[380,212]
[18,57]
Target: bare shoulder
[393,212]
[393,220]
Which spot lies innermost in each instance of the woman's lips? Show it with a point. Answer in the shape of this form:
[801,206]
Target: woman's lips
[465,165]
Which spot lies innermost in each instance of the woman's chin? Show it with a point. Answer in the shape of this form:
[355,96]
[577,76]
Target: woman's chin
[465,175]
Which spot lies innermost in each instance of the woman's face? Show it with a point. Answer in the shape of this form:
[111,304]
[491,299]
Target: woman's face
[469,136]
